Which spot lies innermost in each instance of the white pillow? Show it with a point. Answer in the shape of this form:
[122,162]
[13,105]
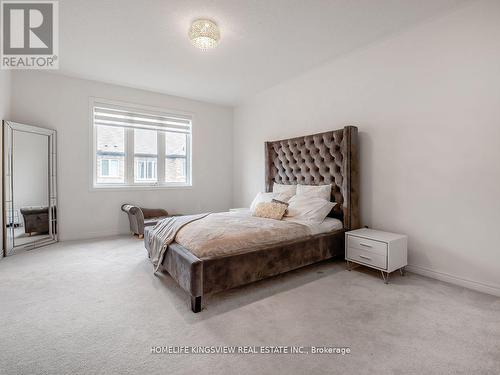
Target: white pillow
[312,191]
[309,209]
[268,197]
[285,189]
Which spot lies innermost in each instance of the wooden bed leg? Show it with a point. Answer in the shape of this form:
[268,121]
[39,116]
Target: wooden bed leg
[196,304]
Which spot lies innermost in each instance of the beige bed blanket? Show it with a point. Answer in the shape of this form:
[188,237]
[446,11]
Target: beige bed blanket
[163,234]
[227,233]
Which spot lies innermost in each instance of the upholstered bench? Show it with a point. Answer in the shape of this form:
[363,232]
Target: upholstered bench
[143,217]
[36,219]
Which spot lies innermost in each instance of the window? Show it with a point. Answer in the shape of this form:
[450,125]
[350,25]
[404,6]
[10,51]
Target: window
[137,147]
[110,155]
[175,157]
[145,155]
[110,168]
[145,170]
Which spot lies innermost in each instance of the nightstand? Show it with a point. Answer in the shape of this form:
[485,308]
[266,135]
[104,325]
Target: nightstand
[383,251]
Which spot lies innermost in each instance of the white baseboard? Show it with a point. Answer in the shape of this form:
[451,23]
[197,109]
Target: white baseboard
[469,284]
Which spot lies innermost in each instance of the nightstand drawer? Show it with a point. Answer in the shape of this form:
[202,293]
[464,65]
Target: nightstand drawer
[367,257]
[374,247]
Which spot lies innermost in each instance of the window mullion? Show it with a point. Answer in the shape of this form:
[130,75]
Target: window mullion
[129,157]
[161,158]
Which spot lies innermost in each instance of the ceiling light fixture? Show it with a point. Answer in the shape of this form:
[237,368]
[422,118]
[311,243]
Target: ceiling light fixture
[204,34]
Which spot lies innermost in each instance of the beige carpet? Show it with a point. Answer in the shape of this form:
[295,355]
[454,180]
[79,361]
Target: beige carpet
[95,307]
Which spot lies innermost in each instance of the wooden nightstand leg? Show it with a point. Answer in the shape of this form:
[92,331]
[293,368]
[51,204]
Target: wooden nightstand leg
[402,271]
[385,277]
[348,265]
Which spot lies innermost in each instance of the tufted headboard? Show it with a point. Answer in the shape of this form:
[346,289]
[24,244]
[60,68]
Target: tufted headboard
[319,159]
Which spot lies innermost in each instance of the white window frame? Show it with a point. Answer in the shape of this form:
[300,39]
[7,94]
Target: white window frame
[130,184]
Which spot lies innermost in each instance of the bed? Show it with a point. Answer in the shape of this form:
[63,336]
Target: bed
[325,158]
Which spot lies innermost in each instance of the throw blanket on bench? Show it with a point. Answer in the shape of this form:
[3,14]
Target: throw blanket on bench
[163,234]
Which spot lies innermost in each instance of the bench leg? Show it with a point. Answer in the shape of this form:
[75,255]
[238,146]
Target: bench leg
[196,304]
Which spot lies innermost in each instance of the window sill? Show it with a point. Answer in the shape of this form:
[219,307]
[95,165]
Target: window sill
[140,187]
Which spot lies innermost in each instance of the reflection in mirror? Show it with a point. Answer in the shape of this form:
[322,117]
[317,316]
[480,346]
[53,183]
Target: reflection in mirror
[29,187]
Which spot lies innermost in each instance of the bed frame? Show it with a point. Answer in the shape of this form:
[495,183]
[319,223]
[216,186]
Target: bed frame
[325,158]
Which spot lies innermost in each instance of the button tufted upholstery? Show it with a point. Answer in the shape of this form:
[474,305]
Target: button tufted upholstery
[325,158]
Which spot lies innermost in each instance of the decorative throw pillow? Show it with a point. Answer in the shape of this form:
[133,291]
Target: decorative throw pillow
[315,191]
[280,202]
[268,197]
[270,210]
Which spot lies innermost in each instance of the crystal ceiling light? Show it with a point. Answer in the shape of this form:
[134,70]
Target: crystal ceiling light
[204,34]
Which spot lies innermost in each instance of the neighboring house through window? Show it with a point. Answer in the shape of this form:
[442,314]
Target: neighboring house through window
[110,168]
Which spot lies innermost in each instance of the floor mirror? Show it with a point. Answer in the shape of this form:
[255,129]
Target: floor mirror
[29,187]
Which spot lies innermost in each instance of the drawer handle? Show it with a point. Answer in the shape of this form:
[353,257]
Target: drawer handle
[364,257]
[365,244]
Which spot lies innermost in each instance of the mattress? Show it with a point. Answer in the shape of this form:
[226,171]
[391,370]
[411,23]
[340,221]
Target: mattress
[330,224]
[230,233]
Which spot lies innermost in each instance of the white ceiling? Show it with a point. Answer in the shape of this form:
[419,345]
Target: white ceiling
[144,44]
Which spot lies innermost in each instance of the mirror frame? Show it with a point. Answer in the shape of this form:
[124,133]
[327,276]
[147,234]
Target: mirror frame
[7,192]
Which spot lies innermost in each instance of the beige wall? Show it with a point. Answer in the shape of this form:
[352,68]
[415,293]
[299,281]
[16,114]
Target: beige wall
[427,105]
[62,103]
[4,94]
